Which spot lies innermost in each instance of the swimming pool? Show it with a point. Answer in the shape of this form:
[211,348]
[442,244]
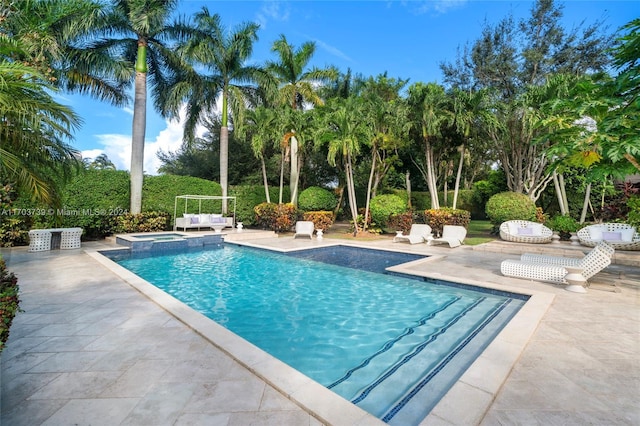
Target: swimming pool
[389,344]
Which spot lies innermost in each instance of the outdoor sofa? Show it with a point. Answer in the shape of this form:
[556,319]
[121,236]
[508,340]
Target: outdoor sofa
[524,231]
[203,220]
[621,236]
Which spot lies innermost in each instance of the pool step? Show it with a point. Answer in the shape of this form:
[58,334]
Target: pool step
[414,359]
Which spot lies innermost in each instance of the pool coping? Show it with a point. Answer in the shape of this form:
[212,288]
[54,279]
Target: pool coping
[478,386]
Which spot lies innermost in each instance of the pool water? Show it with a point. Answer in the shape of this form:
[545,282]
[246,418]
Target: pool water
[389,344]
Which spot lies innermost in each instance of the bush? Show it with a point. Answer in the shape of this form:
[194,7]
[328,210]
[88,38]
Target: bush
[321,219]
[401,222]
[564,225]
[142,222]
[9,301]
[276,217]
[633,203]
[436,219]
[384,206]
[509,206]
[159,194]
[315,198]
[248,197]
[14,227]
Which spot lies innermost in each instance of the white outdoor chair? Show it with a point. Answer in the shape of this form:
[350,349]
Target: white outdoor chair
[70,238]
[453,235]
[553,268]
[39,240]
[621,236]
[524,231]
[419,233]
[304,228]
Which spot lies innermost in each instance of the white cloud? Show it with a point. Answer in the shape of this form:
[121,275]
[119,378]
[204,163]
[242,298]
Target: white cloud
[272,10]
[333,50]
[118,146]
[437,6]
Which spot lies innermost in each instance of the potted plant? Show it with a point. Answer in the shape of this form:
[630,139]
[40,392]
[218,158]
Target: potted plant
[564,225]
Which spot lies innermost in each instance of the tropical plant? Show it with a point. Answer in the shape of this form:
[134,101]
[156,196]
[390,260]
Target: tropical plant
[344,130]
[296,85]
[384,206]
[315,198]
[33,129]
[9,301]
[140,31]
[228,77]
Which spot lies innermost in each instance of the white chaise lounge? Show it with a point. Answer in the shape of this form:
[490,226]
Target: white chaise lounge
[554,268]
[419,233]
[453,235]
[304,229]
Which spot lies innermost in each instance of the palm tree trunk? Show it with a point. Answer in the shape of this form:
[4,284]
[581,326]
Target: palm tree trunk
[457,187]
[585,206]
[264,180]
[224,165]
[281,176]
[137,141]
[369,185]
[295,171]
[431,180]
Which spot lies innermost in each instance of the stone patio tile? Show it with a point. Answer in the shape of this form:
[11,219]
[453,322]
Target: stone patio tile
[62,362]
[198,419]
[22,387]
[94,412]
[137,380]
[38,412]
[77,385]
[162,404]
[275,418]
[227,396]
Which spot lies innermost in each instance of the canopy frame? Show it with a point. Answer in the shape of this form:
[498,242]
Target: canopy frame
[199,198]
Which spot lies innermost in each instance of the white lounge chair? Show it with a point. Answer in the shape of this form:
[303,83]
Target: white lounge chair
[524,231]
[417,234]
[554,268]
[453,235]
[304,228]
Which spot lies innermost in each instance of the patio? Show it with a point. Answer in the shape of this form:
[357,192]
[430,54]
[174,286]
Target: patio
[91,348]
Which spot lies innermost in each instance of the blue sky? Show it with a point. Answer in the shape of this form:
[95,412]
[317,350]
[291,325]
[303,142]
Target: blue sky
[407,39]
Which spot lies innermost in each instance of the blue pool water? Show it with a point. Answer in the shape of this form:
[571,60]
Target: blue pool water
[389,344]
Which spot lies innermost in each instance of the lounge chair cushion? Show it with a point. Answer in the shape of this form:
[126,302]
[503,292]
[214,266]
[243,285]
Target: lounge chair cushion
[627,234]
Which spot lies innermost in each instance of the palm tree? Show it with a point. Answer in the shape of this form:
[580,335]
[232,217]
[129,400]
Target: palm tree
[295,87]
[261,123]
[344,129]
[429,104]
[473,118]
[32,131]
[53,34]
[225,55]
[140,29]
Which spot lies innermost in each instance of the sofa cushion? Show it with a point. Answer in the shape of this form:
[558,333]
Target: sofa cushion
[513,228]
[525,231]
[595,232]
[195,220]
[626,235]
[536,229]
[611,236]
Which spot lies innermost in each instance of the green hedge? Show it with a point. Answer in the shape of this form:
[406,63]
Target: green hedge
[248,197]
[386,205]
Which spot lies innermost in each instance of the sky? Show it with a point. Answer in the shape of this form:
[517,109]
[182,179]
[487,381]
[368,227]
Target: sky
[405,39]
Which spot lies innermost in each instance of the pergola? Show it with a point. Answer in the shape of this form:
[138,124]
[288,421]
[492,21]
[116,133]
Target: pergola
[200,198]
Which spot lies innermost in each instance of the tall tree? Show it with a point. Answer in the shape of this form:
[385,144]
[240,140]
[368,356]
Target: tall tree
[430,113]
[141,31]
[344,129]
[224,55]
[297,85]
[512,56]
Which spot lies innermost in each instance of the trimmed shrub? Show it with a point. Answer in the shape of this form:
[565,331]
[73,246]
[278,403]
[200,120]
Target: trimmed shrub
[276,217]
[509,206]
[159,194]
[564,225]
[384,206]
[315,198]
[437,218]
[14,226]
[248,197]
[9,301]
[401,222]
[142,222]
[321,219]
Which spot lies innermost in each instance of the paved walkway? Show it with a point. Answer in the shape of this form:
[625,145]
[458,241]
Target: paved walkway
[91,349]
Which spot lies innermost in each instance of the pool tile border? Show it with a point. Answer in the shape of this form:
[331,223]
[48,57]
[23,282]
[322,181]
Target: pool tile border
[478,386]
